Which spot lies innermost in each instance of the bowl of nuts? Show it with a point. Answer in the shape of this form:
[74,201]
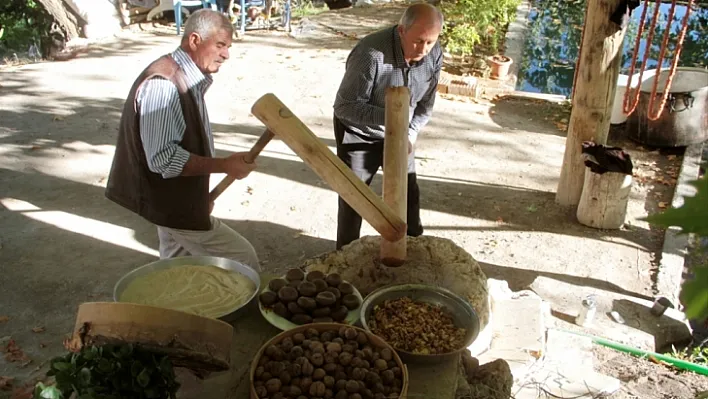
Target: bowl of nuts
[299,298]
[423,323]
[327,360]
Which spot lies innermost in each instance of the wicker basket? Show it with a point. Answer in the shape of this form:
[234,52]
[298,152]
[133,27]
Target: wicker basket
[323,327]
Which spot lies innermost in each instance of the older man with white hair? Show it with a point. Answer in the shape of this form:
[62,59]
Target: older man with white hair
[165,149]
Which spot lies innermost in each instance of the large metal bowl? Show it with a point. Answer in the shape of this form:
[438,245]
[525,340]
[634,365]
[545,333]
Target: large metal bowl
[463,315]
[162,264]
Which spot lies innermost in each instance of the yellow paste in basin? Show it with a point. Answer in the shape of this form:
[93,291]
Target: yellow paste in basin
[208,291]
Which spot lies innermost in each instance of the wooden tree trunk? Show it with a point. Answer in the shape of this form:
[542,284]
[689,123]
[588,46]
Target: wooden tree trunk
[603,204]
[67,27]
[395,168]
[598,68]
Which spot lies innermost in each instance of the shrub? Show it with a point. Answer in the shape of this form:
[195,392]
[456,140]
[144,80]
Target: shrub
[474,25]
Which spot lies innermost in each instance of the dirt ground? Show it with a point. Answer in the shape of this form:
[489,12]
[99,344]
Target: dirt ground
[487,169]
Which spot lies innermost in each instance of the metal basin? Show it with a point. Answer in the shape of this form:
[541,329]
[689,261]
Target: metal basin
[463,315]
[223,263]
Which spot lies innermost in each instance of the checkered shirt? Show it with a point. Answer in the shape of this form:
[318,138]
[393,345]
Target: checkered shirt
[374,64]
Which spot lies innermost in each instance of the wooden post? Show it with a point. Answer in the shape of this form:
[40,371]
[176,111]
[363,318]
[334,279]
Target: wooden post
[597,69]
[290,129]
[603,204]
[395,168]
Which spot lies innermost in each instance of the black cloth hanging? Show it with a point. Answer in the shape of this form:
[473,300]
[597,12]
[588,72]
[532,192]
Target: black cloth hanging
[623,12]
[601,159]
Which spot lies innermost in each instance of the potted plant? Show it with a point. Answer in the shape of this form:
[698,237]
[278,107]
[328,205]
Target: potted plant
[108,372]
[499,64]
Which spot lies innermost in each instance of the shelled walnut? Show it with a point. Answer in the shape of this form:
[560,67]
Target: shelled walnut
[416,327]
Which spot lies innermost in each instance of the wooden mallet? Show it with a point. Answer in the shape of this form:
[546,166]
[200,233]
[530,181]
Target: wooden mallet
[249,158]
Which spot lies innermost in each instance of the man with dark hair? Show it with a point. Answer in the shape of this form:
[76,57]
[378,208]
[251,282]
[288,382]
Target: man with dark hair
[407,54]
[165,150]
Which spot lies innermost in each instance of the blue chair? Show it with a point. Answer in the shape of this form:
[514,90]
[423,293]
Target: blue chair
[176,6]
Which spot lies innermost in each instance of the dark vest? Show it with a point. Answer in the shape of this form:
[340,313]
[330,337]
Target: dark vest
[181,202]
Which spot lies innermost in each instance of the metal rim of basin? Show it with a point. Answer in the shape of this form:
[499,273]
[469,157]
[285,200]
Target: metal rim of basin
[460,309]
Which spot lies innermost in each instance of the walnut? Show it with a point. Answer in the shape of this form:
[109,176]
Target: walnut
[345,358]
[296,352]
[262,392]
[275,368]
[359,374]
[352,386]
[318,389]
[388,376]
[328,381]
[386,354]
[259,372]
[311,332]
[355,396]
[298,338]
[318,374]
[396,372]
[317,359]
[341,395]
[308,369]
[305,384]
[285,378]
[330,368]
[334,347]
[271,350]
[381,364]
[328,336]
[294,391]
[264,360]
[350,333]
[273,385]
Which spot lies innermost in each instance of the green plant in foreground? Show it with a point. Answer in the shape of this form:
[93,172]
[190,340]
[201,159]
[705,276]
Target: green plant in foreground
[695,355]
[110,372]
[691,217]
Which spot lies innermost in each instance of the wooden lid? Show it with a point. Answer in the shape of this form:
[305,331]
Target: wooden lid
[191,341]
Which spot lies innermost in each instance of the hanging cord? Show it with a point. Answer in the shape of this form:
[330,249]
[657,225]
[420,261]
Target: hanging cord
[679,45]
[580,50]
[627,108]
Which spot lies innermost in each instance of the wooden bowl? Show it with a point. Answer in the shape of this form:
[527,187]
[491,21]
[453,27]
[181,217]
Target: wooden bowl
[322,327]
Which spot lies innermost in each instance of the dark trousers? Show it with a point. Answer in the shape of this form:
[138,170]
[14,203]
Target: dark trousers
[364,156]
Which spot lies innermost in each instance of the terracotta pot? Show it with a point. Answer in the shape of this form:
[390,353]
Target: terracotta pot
[500,66]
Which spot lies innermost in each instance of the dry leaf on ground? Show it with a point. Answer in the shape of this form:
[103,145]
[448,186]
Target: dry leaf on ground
[5,383]
[13,353]
[4,319]
[38,329]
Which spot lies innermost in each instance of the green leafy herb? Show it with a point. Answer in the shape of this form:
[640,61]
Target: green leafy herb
[110,372]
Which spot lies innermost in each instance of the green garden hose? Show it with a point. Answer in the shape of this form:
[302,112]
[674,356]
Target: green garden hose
[681,364]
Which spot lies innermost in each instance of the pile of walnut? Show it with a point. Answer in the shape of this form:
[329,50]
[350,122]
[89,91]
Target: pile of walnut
[332,364]
[310,298]
[416,327]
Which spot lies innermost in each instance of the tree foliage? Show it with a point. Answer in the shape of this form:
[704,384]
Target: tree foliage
[691,217]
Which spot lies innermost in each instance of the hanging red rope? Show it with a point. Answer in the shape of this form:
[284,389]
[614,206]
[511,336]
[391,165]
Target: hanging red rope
[629,108]
[679,45]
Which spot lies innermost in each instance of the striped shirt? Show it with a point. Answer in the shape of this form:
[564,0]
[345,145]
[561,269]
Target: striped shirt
[374,64]
[162,124]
